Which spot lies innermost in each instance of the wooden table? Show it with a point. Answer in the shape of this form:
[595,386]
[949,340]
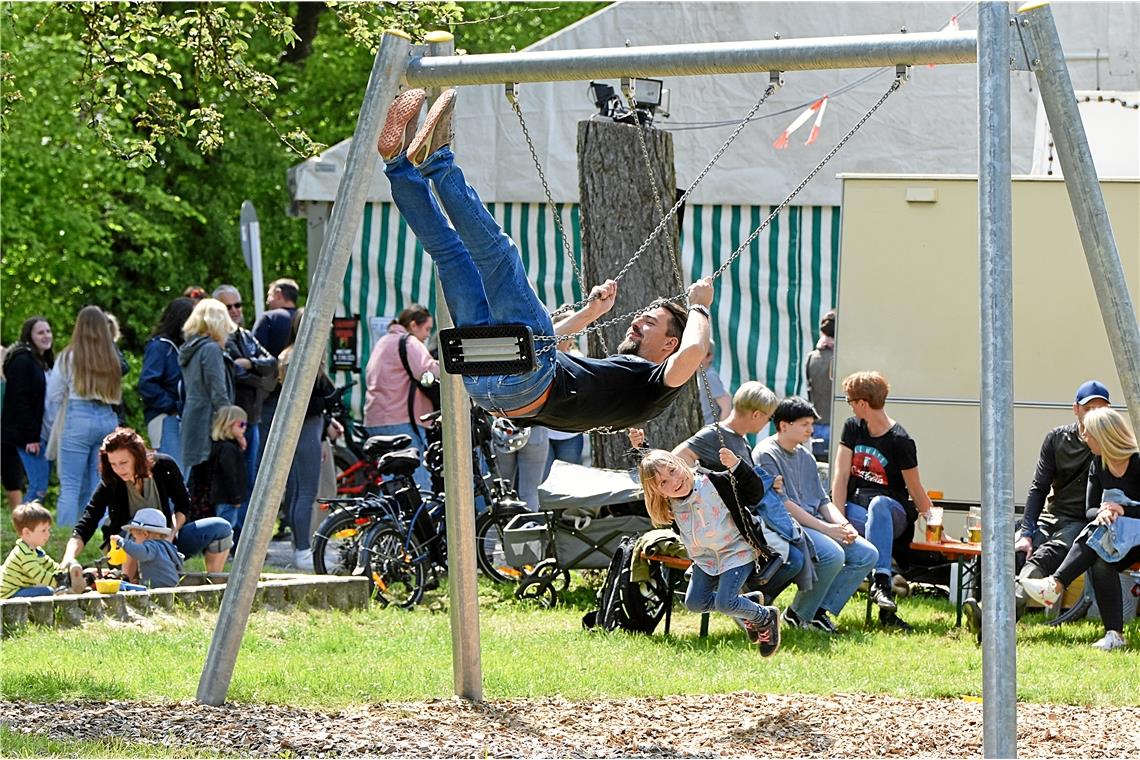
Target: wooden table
[964,555]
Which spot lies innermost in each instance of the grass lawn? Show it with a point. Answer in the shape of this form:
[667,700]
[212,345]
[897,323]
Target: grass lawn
[334,659]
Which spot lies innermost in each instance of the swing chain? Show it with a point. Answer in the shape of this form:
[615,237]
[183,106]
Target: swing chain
[743,246]
[768,91]
[627,90]
[811,175]
[512,93]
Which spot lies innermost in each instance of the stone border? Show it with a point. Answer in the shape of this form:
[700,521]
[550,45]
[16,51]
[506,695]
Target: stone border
[274,592]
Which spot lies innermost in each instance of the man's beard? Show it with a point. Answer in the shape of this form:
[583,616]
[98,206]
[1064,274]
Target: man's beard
[629,347]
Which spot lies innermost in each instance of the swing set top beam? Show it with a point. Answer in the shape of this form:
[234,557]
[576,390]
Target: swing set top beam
[807,54]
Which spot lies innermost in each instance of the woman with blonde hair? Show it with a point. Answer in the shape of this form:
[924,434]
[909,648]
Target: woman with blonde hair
[207,376]
[1113,492]
[82,394]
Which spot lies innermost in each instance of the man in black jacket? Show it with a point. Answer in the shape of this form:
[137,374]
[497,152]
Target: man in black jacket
[1055,507]
[255,377]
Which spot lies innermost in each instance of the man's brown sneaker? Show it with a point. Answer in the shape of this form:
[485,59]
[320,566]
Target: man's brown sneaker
[400,125]
[436,129]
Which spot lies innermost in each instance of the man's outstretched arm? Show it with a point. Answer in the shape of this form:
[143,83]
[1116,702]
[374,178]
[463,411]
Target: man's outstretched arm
[602,300]
[695,340]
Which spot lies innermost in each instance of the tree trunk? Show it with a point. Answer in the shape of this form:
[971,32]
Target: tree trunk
[618,213]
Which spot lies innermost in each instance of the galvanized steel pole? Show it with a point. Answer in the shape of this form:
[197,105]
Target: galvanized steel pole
[855,52]
[462,573]
[1116,308]
[995,247]
[309,352]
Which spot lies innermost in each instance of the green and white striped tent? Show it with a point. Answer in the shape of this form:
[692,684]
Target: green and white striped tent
[768,303]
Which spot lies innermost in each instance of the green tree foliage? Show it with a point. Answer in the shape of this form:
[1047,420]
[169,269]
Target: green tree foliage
[132,132]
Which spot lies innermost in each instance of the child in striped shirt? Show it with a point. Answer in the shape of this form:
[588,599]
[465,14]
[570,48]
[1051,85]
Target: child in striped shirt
[28,570]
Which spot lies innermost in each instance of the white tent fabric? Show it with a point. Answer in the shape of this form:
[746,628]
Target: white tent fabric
[769,304]
[927,127]
[1112,125]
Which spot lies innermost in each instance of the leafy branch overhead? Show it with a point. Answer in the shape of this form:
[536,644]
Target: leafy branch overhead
[155,72]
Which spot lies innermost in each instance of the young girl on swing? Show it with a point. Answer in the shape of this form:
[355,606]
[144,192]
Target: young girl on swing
[712,517]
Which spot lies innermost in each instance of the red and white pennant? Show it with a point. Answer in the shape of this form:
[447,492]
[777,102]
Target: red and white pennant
[818,108]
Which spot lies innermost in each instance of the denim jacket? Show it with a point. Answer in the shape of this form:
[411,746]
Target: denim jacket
[772,511]
[1112,542]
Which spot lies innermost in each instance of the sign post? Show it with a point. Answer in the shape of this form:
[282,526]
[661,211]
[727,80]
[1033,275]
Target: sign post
[251,252]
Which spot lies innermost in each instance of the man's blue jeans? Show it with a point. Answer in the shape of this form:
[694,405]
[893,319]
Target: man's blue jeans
[881,523]
[722,593]
[479,267]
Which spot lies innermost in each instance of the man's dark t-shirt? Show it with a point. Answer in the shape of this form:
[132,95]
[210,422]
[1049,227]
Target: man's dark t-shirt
[618,391]
[877,462]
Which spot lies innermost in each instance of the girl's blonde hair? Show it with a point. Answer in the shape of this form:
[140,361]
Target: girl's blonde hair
[658,505]
[1111,431]
[224,419]
[210,318]
[95,368]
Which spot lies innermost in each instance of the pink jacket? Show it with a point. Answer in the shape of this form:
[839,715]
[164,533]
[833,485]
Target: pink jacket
[386,399]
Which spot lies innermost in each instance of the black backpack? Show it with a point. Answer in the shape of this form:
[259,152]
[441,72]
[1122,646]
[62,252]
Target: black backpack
[625,604]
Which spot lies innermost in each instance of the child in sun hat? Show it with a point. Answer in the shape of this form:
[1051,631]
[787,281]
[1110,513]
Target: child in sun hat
[148,542]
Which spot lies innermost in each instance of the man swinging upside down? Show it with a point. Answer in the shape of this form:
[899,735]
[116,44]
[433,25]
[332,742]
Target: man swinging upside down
[484,284]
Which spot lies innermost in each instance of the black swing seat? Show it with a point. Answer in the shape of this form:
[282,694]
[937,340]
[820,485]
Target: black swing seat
[378,445]
[487,350]
[399,462]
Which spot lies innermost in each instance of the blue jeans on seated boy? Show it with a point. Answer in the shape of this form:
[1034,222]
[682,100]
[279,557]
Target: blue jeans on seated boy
[478,265]
[840,568]
[881,523]
[32,591]
[722,593]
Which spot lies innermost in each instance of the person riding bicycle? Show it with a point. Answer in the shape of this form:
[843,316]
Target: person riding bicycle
[484,283]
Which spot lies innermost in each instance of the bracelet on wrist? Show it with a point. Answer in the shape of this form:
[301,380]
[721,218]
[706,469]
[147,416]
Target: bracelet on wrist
[701,309]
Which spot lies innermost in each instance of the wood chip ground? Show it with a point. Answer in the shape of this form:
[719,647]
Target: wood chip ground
[723,725]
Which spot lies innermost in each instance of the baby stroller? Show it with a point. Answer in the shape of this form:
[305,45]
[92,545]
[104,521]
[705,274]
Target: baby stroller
[586,511]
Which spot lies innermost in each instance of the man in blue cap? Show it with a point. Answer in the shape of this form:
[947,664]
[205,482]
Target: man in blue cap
[1055,507]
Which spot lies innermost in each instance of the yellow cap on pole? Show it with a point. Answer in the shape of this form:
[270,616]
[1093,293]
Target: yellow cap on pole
[398,33]
[1031,7]
[439,36]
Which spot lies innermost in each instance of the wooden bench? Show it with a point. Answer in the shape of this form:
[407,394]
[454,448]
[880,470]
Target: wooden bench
[674,568]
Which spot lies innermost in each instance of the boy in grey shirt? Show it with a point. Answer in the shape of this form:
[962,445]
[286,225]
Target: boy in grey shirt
[844,558]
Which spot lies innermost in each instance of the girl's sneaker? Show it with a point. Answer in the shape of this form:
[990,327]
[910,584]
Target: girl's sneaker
[765,634]
[1112,640]
[1044,590]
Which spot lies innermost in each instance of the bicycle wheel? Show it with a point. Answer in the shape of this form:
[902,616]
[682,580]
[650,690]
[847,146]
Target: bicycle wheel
[336,544]
[395,567]
[489,548]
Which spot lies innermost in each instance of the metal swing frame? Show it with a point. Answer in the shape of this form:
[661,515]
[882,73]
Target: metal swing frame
[1031,32]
